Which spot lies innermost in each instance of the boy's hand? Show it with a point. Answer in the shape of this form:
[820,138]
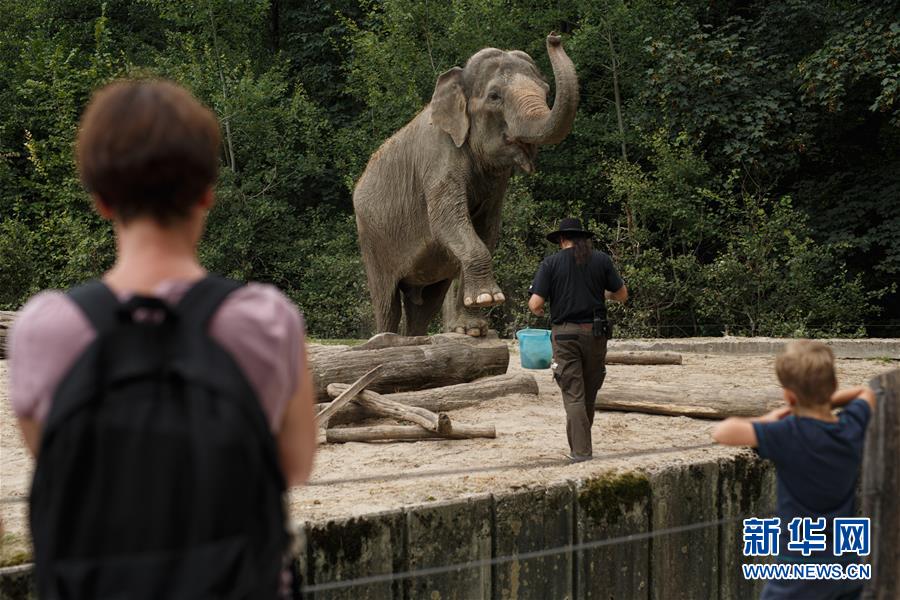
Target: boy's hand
[847,395]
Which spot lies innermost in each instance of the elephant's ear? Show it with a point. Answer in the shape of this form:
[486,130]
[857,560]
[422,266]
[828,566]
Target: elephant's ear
[448,106]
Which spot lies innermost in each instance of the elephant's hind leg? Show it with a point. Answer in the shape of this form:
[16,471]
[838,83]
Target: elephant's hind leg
[419,316]
[383,285]
[386,303]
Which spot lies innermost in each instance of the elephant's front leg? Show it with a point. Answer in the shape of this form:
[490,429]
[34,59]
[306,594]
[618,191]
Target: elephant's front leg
[458,318]
[451,225]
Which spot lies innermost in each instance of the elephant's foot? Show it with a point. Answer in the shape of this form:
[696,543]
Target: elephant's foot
[483,295]
[470,323]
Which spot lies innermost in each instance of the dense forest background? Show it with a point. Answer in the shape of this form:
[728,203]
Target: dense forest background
[739,159]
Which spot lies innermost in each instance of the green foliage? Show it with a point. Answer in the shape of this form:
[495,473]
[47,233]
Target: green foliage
[751,188]
[18,264]
[769,278]
[718,85]
[522,247]
[332,283]
[864,54]
[704,260]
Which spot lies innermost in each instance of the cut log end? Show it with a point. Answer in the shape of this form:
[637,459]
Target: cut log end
[444,426]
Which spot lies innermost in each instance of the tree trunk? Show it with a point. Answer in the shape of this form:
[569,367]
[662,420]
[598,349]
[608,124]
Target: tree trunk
[226,117]
[440,399]
[6,320]
[703,403]
[383,407]
[448,359]
[614,65]
[640,357]
[405,432]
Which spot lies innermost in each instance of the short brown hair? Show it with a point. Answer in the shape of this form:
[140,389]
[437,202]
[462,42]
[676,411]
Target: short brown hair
[806,368]
[148,149]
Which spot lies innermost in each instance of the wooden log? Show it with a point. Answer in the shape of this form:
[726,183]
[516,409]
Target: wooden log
[339,435]
[384,407]
[703,403]
[6,319]
[441,399]
[881,488]
[641,357]
[347,395]
[447,360]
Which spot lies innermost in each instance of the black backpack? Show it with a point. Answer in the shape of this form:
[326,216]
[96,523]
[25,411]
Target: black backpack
[158,475]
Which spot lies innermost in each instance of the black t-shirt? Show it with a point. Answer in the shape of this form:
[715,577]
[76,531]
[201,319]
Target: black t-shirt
[574,291]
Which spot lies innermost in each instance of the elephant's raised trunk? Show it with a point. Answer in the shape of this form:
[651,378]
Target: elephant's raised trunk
[552,126]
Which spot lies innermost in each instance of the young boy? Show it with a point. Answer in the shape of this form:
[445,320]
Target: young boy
[817,456]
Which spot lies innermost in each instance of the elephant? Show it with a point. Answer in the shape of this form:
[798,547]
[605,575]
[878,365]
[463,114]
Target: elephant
[429,201]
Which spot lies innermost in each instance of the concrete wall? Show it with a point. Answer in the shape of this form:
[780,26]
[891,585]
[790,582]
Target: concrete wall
[488,530]
[842,348]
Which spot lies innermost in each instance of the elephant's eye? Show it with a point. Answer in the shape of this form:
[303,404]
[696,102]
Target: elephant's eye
[494,96]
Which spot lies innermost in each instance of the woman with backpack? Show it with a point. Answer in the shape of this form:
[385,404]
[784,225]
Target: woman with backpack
[168,409]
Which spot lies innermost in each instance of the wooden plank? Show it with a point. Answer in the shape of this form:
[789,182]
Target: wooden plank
[405,432]
[348,395]
[881,488]
[640,357]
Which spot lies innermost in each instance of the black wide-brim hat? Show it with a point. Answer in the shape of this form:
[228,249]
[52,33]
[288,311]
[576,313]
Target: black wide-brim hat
[570,228]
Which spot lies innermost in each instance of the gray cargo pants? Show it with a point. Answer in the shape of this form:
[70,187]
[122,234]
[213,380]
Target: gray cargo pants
[579,367]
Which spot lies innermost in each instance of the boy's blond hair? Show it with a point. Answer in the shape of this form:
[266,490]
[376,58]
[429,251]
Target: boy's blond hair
[806,368]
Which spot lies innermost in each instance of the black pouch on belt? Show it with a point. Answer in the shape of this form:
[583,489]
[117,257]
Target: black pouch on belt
[602,327]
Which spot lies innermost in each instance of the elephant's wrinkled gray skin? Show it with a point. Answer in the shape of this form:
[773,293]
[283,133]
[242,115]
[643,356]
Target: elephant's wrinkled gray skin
[428,204]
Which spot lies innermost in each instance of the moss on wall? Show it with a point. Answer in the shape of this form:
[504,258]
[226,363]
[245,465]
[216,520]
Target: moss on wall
[609,497]
[342,540]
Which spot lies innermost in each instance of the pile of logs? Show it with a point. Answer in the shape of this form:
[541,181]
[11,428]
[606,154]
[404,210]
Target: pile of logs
[413,380]
[354,403]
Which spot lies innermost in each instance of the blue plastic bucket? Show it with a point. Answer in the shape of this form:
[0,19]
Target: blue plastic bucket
[534,348]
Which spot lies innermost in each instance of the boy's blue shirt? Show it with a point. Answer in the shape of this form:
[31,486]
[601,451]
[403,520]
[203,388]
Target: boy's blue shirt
[817,467]
[817,463]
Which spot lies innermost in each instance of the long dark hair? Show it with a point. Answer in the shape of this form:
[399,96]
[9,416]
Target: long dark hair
[584,247]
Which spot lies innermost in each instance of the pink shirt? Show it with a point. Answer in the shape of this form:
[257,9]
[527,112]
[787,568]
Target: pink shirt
[256,324]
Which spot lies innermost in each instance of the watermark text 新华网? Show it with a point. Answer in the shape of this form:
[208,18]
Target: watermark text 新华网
[850,536]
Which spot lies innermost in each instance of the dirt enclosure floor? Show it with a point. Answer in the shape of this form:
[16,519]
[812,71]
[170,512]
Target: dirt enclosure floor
[356,478]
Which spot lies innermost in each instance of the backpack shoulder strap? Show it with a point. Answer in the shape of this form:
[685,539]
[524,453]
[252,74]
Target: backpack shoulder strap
[98,303]
[201,301]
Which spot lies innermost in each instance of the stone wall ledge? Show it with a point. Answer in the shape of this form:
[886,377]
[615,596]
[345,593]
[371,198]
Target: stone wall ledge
[489,532]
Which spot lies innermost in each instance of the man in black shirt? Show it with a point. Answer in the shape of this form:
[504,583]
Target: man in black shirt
[577,281]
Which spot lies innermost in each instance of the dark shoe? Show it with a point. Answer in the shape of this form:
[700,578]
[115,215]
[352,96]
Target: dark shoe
[574,458]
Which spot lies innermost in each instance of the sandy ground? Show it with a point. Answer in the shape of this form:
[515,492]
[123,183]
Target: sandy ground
[353,479]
